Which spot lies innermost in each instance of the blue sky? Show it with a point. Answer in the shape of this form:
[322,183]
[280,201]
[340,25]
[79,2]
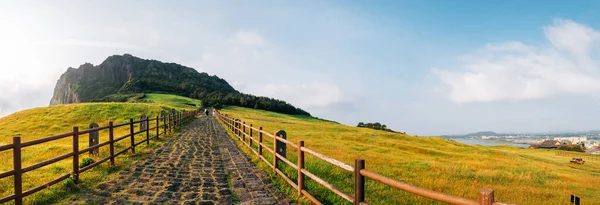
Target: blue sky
[423,67]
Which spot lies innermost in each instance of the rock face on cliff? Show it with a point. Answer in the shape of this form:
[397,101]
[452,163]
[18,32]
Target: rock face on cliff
[121,74]
[121,77]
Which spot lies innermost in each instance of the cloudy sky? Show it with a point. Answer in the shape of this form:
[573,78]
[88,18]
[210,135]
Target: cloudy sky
[424,67]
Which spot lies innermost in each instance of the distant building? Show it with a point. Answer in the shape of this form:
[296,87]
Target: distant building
[573,140]
[547,144]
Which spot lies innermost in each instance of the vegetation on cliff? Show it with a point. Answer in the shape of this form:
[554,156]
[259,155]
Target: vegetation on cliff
[218,100]
[121,77]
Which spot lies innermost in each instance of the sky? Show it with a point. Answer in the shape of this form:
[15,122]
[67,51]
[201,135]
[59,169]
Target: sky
[421,67]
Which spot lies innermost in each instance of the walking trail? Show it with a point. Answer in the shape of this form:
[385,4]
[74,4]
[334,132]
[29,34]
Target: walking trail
[201,165]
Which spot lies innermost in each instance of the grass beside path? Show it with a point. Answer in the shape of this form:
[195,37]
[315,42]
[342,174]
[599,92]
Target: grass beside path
[517,175]
[42,122]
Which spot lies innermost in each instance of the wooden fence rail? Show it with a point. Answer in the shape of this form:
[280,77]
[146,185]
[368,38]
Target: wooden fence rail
[585,156]
[239,128]
[168,124]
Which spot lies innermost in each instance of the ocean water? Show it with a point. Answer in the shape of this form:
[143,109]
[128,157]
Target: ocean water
[489,142]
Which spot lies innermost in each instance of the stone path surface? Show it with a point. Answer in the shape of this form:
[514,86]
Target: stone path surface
[201,165]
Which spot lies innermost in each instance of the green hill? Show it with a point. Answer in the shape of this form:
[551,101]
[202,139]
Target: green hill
[518,175]
[130,74]
[121,77]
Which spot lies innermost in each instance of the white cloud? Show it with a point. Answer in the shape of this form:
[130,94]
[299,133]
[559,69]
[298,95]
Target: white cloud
[98,44]
[514,71]
[248,38]
[309,96]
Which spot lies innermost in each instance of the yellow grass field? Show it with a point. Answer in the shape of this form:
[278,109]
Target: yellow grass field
[517,175]
[47,121]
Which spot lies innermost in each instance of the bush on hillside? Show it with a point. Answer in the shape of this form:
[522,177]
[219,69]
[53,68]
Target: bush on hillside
[377,126]
[575,148]
[217,100]
[86,162]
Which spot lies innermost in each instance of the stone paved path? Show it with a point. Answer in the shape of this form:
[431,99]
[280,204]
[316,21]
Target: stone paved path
[202,165]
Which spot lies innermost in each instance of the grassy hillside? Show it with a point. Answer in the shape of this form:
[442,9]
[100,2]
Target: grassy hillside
[518,175]
[176,101]
[46,121]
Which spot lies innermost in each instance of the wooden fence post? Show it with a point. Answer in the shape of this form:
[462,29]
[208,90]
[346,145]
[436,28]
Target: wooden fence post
[300,167]
[76,154]
[147,122]
[251,137]
[239,128]
[157,128]
[111,143]
[244,131]
[486,196]
[132,136]
[359,181]
[236,128]
[275,152]
[260,141]
[18,177]
[164,118]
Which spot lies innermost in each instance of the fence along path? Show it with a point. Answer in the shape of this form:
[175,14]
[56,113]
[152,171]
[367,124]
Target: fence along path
[202,166]
[244,133]
[169,122]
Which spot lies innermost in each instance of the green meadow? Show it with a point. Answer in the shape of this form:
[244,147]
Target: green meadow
[518,175]
[42,122]
[175,101]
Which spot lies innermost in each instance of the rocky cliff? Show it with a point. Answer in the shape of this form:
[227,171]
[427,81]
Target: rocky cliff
[120,77]
[120,74]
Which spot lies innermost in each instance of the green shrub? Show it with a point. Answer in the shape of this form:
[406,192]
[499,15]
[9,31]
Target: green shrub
[85,162]
[575,148]
[69,185]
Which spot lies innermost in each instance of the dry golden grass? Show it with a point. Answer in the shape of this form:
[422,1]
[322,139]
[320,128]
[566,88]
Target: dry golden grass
[517,175]
[47,121]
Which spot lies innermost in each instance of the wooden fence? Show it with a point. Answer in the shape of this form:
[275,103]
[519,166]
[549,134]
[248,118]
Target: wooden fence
[244,132]
[169,122]
[585,156]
